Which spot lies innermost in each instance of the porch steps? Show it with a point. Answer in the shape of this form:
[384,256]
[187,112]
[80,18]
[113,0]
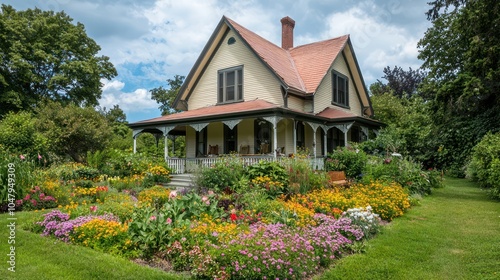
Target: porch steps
[181,181]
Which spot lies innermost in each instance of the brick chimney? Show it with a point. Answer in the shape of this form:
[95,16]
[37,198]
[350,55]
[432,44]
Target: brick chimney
[287,25]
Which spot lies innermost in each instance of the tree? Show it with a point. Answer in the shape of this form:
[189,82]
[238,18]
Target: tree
[18,134]
[400,83]
[165,97]
[122,134]
[409,125]
[461,53]
[44,56]
[72,130]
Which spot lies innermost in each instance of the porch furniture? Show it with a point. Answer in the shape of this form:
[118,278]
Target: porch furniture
[244,149]
[264,148]
[338,178]
[213,150]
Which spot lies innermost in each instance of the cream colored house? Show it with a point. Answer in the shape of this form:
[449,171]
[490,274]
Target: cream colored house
[249,96]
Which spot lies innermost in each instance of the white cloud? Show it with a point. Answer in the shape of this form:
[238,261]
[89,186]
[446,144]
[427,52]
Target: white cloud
[377,40]
[130,102]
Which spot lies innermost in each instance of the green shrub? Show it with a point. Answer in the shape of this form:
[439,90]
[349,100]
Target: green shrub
[407,173]
[348,159]
[484,166]
[223,175]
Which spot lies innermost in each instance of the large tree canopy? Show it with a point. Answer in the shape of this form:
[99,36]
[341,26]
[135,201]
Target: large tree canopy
[400,83]
[461,51]
[73,131]
[461,54]
[43,55]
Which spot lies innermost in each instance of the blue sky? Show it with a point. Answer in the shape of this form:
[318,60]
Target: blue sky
[150,41]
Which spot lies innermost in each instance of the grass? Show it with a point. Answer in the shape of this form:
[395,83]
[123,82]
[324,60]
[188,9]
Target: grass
[453,234]
[39,257]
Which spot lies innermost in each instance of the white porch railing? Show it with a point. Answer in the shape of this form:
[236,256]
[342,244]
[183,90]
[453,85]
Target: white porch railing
[188,165]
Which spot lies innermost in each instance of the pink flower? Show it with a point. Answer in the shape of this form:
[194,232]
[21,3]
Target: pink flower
[152,218]
[21,157]
[39,156]
[93,208]
[206,200]
[169,221]
[173,194]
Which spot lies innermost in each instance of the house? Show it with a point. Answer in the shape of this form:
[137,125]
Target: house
[249,96]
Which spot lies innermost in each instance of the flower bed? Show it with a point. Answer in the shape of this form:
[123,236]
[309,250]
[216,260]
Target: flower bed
[261,227]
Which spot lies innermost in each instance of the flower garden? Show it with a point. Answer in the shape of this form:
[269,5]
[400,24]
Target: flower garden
[269,220]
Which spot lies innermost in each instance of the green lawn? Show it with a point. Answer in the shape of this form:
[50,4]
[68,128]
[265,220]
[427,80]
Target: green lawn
[453,234]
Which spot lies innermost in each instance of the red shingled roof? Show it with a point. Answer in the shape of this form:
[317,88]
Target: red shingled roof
[302,67]
[332,113]
[215,110]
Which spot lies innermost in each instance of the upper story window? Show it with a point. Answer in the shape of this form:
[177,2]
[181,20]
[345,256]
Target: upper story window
[230,85]
[340,86]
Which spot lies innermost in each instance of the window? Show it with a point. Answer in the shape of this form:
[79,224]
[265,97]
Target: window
[340,86]
[230,85]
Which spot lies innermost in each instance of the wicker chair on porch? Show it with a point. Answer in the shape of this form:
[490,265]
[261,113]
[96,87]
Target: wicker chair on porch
[213,150]
[264,148]
[244,149]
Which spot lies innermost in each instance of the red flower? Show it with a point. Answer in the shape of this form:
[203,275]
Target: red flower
[233,217]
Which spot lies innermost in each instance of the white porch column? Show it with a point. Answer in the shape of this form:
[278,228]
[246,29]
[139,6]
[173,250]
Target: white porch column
[295,136]
[274,121]
[166,130]
[136,133]
[314,127]
[325,139]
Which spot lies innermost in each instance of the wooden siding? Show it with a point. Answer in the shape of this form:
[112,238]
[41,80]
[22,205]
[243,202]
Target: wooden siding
[258,81]
[246,134]
[295,103]
[215,135]
[323,97]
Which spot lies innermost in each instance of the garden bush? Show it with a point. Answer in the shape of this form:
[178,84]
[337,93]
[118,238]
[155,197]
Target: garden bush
[222,176]
[348,159]
[407,173]
[36,199]
[270,169]
[484,166]
[302,178]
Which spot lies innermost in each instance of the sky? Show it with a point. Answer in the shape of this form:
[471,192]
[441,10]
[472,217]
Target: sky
[150,41]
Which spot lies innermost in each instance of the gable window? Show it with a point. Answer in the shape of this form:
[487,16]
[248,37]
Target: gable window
[230,85]
[340,84]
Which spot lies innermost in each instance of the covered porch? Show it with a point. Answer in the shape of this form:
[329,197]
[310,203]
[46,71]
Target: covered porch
[254,130]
